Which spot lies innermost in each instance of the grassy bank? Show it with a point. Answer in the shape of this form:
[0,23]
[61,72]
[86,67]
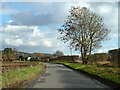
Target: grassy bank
[10,78]
[109,73]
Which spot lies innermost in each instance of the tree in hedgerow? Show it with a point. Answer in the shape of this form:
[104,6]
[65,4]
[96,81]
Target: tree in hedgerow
[8,53]
[21,58]
[84,30]
[58,53]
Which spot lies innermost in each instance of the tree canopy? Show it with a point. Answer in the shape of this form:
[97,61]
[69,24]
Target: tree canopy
[58,53]
[8,53]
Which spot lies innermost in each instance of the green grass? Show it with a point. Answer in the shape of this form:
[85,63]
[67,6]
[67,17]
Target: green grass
[12,77]
[110,73]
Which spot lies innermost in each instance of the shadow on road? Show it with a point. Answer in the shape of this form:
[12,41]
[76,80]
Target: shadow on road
[74,79]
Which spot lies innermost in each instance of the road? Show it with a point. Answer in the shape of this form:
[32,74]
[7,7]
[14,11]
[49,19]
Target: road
[59,76]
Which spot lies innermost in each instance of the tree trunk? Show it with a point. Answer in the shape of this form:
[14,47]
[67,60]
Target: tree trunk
[90,49]
[83,55]
[84,61]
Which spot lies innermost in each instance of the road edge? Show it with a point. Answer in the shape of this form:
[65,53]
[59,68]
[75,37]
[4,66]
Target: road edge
[104,81]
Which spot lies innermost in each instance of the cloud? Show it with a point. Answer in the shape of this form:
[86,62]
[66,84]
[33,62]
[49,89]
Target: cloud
[32,43]
[53,13]
[47,43]
[31,39]
[10,21]
[102,50]
[14,28]
[5,8]
[28,18]
[13,42]
[37,33]
[114,36]
[105,9]
[105,50]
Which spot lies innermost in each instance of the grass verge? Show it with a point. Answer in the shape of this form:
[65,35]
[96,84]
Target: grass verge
[109,73]
[10,78]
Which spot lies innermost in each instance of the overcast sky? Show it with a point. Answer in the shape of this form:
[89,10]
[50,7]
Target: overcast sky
[32,27]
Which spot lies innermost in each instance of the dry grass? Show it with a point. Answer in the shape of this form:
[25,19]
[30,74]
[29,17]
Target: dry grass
[10,66]
[10,78]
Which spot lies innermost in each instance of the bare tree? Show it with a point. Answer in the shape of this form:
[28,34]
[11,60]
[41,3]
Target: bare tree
[84,30]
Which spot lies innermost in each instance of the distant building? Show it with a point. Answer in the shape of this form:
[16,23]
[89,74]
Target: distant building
[28,58]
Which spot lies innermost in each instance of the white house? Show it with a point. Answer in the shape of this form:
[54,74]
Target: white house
[28,58]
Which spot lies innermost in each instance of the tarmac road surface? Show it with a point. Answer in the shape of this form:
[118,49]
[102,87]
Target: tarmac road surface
[59,76]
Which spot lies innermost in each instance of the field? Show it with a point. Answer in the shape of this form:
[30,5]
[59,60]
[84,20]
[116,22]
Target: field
[16,73]
[10,66]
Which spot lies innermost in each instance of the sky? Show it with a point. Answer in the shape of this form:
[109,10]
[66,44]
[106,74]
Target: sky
[32,26]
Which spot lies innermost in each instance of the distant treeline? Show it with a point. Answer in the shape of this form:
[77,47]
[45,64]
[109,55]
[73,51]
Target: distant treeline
[9,54]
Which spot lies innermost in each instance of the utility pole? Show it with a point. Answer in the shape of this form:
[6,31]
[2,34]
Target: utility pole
[71,51]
